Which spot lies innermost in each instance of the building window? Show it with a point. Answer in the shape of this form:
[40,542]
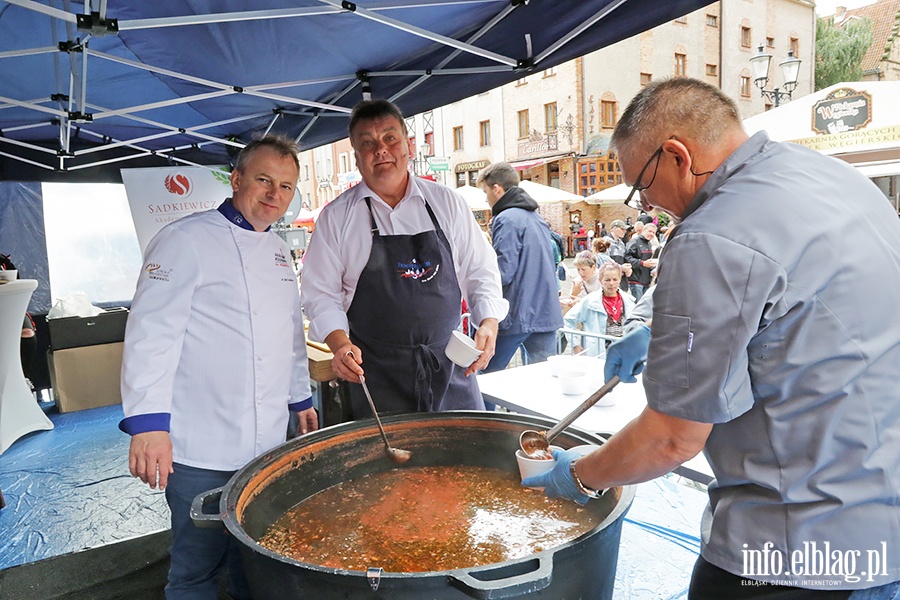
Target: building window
[524,129]
[345,162]
[712,20]
[795,46]
[522,81]
[770,42]
[305,172]
[458,138]
[682,19]
[592,174]
[646,78]
[745,37]
[745,86]
[680,65]
[607,113]
[550,117]
[484,132]
[429,143]
[550,72]
[712,70]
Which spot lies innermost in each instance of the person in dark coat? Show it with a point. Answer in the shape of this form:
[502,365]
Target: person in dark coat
[522,241]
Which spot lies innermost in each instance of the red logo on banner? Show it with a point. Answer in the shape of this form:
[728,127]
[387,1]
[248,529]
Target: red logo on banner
[179,184]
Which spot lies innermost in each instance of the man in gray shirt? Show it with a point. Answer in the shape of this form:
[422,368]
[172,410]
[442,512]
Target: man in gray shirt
[764,355]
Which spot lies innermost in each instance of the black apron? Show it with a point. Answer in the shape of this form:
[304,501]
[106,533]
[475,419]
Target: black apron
[406,305]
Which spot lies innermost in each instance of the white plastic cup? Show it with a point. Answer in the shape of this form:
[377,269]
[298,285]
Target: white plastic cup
[557,363]
[573,382]
[529,467]
[461,350]
[9,275]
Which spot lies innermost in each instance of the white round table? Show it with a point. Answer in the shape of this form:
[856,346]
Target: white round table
[19,411]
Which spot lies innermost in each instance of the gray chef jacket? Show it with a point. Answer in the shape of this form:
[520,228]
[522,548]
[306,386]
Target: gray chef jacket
[777,319]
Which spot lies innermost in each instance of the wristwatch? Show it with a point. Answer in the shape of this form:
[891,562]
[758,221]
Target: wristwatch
[581,487]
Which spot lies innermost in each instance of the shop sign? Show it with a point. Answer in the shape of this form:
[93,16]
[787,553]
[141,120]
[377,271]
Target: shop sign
[857,140]
[439,163]
[538,148]
[842,110]
[475,165]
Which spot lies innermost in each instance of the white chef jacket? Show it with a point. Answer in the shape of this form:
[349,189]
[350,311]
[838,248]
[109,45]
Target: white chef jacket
[342,242]
[215,342]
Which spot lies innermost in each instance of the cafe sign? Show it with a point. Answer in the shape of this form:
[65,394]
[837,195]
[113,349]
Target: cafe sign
[842,110]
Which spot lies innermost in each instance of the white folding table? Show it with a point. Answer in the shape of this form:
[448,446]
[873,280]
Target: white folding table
[533,390]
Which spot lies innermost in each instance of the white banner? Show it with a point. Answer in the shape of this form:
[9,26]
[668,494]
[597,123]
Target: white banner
[160,195]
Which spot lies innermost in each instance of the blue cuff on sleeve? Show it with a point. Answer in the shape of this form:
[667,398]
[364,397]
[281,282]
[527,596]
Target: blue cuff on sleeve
[301,406]
[145,423]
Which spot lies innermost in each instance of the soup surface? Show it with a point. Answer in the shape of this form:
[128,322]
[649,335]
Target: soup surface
[426,519]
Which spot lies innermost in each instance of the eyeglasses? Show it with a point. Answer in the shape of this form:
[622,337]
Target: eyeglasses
[637,187]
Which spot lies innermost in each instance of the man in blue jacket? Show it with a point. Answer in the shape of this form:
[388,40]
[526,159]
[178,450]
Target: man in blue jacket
[522,241]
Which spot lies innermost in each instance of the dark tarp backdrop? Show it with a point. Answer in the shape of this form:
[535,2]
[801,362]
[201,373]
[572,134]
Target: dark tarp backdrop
[22,237]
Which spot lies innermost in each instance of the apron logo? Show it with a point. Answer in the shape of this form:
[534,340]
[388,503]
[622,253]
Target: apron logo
[416,270]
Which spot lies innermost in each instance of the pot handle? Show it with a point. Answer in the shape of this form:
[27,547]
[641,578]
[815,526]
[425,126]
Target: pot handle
[513,586]
[202,519]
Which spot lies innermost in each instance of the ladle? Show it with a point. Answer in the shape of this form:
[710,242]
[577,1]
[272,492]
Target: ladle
[396,454]
[536,444]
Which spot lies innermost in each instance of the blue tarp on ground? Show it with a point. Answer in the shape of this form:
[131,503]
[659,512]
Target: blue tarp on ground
[69,489]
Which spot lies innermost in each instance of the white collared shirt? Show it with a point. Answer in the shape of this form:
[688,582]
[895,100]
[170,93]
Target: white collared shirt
[215,338]
[342,242]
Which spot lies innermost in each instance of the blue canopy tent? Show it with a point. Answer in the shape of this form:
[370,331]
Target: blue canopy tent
[89,87]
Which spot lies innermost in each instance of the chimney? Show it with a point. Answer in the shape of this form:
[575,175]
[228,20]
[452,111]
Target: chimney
[839,13]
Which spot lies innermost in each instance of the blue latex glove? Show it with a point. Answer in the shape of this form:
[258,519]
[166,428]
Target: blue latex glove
[558,482]
[625,357]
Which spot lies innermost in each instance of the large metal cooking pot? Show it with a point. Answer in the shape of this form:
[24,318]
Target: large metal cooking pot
[271,484]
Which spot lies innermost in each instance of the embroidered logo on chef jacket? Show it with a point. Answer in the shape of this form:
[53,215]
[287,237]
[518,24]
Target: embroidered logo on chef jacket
[280,259]
[155,271]
[415,270]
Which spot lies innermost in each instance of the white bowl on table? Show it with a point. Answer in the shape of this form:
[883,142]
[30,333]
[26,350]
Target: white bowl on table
[573,383]
[567,362]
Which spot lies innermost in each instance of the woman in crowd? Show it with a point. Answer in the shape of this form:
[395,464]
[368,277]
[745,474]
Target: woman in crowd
[603,312]
[600,247]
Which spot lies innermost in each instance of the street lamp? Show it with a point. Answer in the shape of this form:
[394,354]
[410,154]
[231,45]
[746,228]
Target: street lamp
[790,71]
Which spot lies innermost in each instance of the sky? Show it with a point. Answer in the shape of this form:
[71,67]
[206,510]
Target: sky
[826,7]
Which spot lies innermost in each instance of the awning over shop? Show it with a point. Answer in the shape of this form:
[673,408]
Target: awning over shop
[522,165]
[610,196]
[880,169]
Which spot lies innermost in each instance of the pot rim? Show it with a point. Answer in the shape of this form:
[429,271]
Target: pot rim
[229,497]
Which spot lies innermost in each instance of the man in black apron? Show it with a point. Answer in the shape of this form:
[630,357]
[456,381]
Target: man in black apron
[407,297]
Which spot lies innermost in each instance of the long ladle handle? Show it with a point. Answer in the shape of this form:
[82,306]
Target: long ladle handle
[362,380]
[592,400]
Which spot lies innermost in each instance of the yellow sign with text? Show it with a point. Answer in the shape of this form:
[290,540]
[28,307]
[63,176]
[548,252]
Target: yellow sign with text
[852,140]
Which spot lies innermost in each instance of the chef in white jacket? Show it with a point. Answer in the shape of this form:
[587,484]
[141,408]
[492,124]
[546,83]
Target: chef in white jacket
[215,357]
